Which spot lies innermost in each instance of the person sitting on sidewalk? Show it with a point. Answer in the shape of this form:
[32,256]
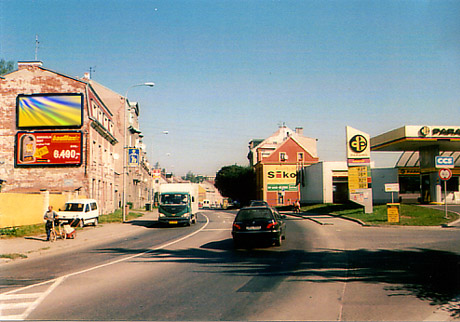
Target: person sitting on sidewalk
[49,216]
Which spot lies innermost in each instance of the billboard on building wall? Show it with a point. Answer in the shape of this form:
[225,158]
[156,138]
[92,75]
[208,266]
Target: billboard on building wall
[58,110]
[48,148]
[280,177]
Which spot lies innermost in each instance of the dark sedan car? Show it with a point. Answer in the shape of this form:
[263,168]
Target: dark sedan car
[258,224]
[258,203]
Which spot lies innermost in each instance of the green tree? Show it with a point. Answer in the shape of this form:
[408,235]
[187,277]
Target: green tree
[237,182]
[190,176]
[6,66]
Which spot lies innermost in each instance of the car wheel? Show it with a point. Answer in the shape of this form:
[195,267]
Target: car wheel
[278,241]
[96,222]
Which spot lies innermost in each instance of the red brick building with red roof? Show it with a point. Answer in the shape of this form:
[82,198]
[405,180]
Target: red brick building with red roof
[276,161]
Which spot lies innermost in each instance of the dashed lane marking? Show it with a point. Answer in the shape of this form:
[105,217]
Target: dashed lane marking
[16,305]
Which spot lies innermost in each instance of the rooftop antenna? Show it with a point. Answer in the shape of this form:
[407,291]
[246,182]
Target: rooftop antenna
[36,47]
[91,71]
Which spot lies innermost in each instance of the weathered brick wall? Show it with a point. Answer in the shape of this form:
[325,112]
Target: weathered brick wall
[32,80]
[100,174]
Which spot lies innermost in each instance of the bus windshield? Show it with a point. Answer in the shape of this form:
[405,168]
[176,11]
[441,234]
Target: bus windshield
[173,199]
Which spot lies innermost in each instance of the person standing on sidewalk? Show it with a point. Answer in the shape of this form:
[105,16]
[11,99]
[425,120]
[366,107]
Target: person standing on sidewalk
[49,216]
[297,206]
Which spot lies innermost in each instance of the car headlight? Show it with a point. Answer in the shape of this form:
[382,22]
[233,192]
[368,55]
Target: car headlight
[162,215]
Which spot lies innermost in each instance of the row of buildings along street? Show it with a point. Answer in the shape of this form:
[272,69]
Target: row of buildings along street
[66,137]
[63,137]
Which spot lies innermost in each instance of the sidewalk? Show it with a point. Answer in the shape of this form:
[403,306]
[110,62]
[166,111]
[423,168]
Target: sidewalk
[35,246]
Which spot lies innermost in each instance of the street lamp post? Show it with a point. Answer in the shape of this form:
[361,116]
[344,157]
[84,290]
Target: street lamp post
[125,144]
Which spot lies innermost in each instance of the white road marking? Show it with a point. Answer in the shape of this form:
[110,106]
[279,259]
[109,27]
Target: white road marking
[23,299]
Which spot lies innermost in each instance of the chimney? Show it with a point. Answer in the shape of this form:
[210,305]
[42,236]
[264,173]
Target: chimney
[299,130]
[29,63]
[87,76]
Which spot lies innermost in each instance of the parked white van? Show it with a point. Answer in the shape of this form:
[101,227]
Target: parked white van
[85,210]
[206,204]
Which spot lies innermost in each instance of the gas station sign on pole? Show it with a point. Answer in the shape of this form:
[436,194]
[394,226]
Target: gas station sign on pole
[359,169]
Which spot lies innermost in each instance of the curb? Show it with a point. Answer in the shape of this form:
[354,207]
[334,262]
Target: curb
[363,224]
[301,215]
[34,246]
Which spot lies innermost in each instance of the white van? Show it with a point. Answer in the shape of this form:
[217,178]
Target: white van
[206,204]
[85,210]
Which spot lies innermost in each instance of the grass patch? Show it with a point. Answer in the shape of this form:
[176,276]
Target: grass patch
[39,229]
[117,216]
[21,231]
[410,215]
[13,256]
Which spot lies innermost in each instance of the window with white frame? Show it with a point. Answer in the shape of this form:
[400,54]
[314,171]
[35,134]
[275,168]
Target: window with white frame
[300,156]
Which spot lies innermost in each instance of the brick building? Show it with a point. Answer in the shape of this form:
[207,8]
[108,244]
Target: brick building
[58,133]
[276,161]
[139,187]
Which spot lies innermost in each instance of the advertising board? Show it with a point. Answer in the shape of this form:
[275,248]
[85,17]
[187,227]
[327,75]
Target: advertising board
[48,148]
[55,110]
[280,177]
[358,178]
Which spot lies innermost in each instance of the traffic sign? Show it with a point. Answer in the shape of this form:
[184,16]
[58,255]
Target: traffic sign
[444,162]
[391,187]
[133,157]
[445,174]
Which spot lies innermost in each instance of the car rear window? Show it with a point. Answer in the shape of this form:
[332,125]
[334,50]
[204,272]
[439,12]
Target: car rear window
[259,213]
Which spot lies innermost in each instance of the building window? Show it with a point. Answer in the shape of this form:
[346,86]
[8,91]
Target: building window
[300,156]
[283,156]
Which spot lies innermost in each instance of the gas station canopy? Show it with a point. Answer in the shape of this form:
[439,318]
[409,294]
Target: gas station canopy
[416,137]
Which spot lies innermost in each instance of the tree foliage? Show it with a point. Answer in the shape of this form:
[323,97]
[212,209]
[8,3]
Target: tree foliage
[6,66]
[190,176]
[237,182]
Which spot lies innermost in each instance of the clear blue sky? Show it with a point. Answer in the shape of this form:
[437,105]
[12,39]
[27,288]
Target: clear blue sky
[230,71]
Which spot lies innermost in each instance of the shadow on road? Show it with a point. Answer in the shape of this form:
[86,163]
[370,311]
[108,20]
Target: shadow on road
[430,275]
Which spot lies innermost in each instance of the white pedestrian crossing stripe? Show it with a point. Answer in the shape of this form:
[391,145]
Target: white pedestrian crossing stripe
[17,305]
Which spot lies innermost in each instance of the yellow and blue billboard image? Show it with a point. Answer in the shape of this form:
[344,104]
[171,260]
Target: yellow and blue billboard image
[49,110]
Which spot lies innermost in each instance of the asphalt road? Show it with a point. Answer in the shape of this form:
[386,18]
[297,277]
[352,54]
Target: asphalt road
[335,271]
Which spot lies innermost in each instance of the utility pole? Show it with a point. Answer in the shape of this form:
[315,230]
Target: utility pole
[91,71]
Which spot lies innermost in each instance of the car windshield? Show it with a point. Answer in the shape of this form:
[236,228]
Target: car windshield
[174,199]
[258,203]
[73,207]
[257,213]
